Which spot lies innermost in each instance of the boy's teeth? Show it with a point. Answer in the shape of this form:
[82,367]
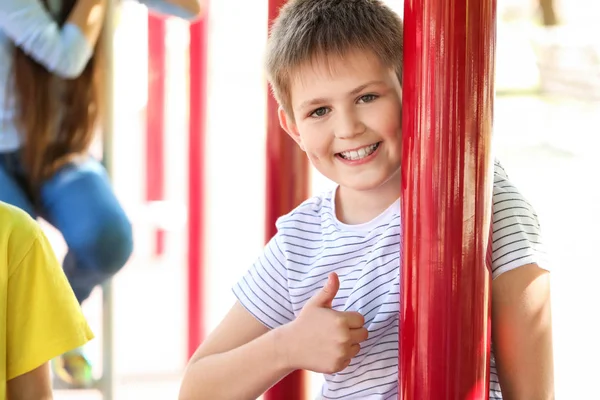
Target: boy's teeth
[360,153]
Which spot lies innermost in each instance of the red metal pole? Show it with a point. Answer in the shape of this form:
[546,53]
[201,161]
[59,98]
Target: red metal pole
[196,189]
[155,118]
[447,187]
[287,186]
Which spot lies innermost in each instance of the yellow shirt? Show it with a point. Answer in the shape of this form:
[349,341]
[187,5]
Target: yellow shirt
[39,315]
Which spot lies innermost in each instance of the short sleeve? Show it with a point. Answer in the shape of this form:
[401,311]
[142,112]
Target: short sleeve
[516,232]
[44,319]
[263,290]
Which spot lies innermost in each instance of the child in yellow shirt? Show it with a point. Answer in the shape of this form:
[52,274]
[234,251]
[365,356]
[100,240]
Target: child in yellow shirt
[40,317]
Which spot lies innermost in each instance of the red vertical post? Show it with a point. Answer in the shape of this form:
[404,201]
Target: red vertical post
[447,187]
[287,176]
[196,190]
[155,118]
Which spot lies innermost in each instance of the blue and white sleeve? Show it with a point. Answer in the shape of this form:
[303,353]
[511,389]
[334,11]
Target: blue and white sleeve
[263,290]
[63,51]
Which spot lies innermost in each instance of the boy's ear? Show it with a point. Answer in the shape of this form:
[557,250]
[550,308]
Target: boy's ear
[289,126]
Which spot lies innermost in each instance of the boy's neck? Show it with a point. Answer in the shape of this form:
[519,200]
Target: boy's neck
[355,207]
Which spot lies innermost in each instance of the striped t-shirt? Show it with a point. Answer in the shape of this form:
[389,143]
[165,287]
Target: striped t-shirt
[311,243]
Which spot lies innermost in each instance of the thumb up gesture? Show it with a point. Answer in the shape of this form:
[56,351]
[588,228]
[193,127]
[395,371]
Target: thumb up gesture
[321,339]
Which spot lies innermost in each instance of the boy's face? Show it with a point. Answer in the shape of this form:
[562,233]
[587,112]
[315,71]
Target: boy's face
[348,119]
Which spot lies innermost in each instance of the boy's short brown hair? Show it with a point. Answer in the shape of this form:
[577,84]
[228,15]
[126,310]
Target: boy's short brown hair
[306,29]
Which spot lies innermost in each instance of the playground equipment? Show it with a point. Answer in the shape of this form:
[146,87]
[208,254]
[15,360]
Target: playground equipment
[106,382]
[448,94]
[196,171]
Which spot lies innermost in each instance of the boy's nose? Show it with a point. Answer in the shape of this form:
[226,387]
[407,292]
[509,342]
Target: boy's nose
[349,126]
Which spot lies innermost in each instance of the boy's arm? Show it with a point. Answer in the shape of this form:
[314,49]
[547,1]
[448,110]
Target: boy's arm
[241,359]
[522,333]
[33,385]
[261,339]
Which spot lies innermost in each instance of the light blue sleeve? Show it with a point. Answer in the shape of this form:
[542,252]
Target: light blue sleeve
[166,8]
[64,52]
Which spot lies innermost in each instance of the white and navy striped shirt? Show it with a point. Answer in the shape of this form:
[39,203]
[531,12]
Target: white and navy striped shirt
[311,243]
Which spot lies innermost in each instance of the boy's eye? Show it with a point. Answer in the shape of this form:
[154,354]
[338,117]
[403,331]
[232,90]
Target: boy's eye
[319,112]
[367,98]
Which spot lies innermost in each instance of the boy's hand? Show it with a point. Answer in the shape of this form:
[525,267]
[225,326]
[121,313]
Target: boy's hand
[321,339]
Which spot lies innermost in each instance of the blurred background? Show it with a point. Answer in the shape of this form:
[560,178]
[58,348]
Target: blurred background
[546,132]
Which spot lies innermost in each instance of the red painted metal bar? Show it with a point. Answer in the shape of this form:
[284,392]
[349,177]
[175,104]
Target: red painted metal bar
[196,189]
[287,186]
[447,187]
[155,118]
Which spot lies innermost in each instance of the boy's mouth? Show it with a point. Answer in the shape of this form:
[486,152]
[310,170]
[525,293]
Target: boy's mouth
[359,154]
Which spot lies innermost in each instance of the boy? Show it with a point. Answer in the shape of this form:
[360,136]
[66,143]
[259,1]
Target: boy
[39,314]
[324,295]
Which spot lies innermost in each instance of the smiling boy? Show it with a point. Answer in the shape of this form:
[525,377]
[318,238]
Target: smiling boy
[324,295]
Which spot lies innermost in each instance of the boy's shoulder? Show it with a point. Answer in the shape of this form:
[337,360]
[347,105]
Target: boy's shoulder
[310,212]
[516,231]
[18,231]
[510,208]
[504,187]
[500,174]
[15,221]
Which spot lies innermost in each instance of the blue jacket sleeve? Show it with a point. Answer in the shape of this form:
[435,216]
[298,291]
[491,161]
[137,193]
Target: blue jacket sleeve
[64,52]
